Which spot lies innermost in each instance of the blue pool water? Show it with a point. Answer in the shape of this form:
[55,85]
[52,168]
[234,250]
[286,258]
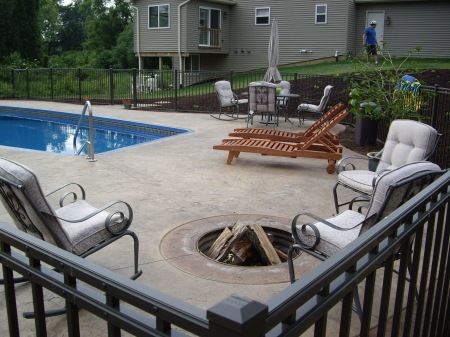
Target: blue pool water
[52,131]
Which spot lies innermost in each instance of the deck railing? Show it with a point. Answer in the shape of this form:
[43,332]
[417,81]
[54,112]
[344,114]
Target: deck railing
[415,301]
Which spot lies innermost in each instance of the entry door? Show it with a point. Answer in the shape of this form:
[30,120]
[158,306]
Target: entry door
[378,16]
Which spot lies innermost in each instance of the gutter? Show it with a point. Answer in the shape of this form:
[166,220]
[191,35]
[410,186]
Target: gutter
[138,37]
[179,33]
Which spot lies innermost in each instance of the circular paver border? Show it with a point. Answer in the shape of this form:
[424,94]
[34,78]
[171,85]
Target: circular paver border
[180,248]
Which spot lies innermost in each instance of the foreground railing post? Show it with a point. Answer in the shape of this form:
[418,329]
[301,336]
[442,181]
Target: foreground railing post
[237,316]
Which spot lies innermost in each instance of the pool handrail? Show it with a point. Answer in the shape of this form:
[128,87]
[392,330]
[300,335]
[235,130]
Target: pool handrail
[90,142]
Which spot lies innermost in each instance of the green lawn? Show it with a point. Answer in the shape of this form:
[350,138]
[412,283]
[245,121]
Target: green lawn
[345,67]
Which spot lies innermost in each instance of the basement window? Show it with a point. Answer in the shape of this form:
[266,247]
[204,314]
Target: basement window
[321,13]
[262,16]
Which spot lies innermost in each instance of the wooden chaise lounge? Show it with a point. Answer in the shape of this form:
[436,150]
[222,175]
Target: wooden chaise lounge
[293,137]
[316,146]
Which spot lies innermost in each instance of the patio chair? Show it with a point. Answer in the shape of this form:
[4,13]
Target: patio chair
[325,237]
[283,102]
[262,100]
[228,100]
[317,146]
[407,141]
[310,107]
[77,227]
[295,137]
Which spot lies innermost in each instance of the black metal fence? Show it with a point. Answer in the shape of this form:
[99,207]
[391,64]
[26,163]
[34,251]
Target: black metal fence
[408,304]
[194,92]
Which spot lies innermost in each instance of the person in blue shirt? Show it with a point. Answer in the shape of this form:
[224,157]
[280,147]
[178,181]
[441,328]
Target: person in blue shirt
[370,41]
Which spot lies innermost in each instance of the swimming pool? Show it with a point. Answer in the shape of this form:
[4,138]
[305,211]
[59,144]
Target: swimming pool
[53,131]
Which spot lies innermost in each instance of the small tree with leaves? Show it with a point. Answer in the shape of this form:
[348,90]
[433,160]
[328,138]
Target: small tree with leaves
[382,85]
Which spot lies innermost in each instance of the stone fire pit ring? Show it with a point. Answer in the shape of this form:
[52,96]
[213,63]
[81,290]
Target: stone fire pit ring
[182,248]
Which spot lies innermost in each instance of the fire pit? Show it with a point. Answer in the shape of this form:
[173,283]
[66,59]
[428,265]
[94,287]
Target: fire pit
[186,246]
[247,245]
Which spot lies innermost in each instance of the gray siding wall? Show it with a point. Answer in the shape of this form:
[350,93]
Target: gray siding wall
[162,40]
[416,23]
[297,31]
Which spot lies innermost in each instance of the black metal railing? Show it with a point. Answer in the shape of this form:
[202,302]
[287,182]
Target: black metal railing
[194,92]
[415,301]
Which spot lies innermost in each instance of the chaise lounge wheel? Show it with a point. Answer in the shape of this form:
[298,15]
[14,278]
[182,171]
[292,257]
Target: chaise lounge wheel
[331,169]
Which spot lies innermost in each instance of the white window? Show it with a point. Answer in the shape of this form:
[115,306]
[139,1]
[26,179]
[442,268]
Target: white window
[158,16]
[209,26]
[321,13]
[192,63]
[262,16]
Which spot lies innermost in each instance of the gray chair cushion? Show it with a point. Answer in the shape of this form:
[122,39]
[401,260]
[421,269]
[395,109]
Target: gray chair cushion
[306,107]
[360,180]
[407,141]
[226,97]
[389,178]
[333,240]
[262,97]
[73,237]
[22,175]
[86,234]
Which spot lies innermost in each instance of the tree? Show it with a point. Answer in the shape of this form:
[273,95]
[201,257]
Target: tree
[72,34]
[104,24]
[15,35]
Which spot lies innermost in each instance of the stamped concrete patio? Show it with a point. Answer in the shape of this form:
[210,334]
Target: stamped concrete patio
[176,182]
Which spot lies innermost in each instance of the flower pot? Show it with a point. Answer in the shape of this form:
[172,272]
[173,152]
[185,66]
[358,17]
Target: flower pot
[366,128]
[127,106]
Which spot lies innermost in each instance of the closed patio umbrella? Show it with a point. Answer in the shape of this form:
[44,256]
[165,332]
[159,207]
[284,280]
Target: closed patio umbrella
[272,74]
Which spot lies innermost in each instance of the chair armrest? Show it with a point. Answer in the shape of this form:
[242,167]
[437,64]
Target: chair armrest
[113,217]
[71,193]
[365,199]
[303,227]
[377,175]
[235,99]
[343,165]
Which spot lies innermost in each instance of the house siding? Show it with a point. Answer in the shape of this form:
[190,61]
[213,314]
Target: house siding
[424,24]
[297,31]
[244,45]
[162,40]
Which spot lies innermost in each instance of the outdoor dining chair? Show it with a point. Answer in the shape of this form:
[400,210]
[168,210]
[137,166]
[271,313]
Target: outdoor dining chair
[283,102]
[228,101]
[311,107]
[407,141]
[262,100]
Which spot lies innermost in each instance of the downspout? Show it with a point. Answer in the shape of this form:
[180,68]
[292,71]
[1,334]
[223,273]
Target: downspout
[179,34]
[138,37]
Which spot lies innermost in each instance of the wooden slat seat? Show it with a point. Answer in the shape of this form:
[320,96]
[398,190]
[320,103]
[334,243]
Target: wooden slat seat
[294,137]
[316,146]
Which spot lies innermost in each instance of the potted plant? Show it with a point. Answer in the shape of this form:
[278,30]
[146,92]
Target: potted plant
[376,93]
[127,104]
